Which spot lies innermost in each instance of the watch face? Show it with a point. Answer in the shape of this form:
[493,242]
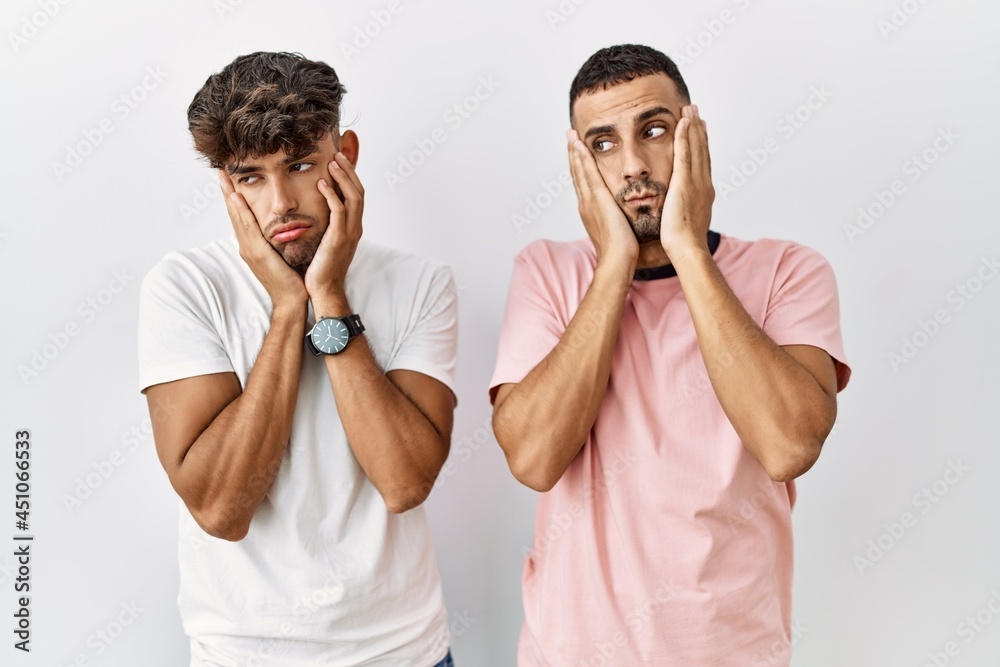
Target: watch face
[330,335]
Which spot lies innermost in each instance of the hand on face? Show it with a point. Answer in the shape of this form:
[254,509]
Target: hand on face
[687,208]
[604,220]
[282,283]
[327,271]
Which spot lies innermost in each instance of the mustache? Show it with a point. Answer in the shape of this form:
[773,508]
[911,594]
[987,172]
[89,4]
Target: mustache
[645,185]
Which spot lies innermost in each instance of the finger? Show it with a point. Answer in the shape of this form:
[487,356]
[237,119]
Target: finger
[353,197]
[591,178]
[332,198]
[240,215]
[701,161]
[345,164]
[226,183]
[573,156]
[682,148]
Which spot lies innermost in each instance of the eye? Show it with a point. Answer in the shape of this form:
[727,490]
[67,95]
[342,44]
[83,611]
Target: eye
[603,145]
[248,180]
[655,131]
[301,166]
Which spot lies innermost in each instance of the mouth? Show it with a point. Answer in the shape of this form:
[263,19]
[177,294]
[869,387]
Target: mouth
[289,232]
[641,201]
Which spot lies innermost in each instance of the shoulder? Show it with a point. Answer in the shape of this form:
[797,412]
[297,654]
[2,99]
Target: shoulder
[382,270]
[777,256]
[377,264]
[560,254]
[371,256]
[556,264]
[212,263]
[205,260]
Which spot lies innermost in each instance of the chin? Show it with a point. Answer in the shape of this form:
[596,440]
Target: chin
[646,227]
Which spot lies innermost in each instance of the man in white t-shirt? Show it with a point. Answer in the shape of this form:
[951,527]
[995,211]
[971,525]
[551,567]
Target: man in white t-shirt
[310,380]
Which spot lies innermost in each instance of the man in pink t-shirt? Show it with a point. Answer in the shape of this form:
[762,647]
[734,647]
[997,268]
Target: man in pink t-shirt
[662,385]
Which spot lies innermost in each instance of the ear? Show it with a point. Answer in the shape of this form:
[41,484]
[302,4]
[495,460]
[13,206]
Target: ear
[349,147]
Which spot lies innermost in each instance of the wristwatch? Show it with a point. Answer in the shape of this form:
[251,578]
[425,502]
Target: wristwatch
[331,335]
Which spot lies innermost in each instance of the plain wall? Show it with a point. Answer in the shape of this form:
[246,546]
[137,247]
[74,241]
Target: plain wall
[894,76]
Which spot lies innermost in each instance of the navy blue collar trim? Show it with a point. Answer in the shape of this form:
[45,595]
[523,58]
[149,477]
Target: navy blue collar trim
[668,271]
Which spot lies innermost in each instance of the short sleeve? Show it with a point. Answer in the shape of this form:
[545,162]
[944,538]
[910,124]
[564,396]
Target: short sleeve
[177,335]
[430,346]
[804,308]
[531,325]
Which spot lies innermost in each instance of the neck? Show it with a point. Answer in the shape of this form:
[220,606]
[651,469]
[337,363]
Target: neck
[651,254]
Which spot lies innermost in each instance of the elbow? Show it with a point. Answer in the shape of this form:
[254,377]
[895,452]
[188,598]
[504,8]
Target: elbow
[220,525]
[534,470]
[535,477]
[404,499]
[787,470]
[793,459]
[530,457]
[800,445]
[400,503]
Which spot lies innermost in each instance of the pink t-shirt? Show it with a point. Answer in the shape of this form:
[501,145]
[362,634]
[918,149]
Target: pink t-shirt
[665,542]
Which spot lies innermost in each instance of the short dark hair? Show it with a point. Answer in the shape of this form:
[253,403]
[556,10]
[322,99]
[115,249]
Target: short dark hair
[263,103]
[619,64]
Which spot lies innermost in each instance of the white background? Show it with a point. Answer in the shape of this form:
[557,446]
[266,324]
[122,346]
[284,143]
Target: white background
[136,194]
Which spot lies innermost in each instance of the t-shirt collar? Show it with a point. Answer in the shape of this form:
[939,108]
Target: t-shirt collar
[668,270]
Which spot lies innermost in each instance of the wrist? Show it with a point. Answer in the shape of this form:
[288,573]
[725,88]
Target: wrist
[330,303]
[618,273]
[688,254]
[289,311]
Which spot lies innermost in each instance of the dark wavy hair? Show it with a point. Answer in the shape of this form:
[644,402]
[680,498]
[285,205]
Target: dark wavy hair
[263,103]
[620,64]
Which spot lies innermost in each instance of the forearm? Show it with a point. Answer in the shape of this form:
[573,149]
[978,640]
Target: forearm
[544,421]
[777,407]
[398,446]
[228,471]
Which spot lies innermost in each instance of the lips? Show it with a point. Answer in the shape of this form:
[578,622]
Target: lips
[642,200]
[289,231]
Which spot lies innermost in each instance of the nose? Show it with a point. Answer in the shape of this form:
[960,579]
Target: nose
[635,165]
[282,197]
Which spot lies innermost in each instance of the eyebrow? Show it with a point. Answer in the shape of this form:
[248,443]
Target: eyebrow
[240,169]
[644,116]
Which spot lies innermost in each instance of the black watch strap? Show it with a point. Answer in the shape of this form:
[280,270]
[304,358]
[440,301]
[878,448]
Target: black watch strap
[353,324]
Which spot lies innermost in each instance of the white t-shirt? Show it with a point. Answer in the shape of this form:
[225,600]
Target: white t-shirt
[326,575]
